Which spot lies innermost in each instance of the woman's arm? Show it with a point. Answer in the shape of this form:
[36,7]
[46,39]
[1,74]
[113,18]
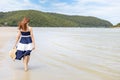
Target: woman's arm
[17,38]
[32,36]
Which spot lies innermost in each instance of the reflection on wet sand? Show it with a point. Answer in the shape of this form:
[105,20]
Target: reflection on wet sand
[68,54]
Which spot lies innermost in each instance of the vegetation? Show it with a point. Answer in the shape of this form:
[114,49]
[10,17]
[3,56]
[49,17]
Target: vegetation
[117,25]
[44,19]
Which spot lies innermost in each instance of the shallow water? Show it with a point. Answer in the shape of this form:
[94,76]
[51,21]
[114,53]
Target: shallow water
[71,54]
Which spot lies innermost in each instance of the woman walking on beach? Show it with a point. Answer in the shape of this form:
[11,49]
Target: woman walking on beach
[25,42]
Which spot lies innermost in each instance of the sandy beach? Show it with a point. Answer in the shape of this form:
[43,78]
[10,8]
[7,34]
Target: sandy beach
[64,54]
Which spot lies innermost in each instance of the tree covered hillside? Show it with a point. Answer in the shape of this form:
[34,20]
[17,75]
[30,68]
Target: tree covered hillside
[117,25]
[44,19]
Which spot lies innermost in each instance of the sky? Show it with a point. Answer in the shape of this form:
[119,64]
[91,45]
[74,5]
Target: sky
[104,9]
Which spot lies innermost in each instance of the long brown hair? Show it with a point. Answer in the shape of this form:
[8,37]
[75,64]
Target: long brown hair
[23,24]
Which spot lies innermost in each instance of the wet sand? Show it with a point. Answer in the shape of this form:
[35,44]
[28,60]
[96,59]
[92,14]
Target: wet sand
[64,54]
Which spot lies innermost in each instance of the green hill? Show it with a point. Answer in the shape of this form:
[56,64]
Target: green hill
[44,19]
[117,25]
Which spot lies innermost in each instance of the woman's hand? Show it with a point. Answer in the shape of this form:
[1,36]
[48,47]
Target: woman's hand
[14,46]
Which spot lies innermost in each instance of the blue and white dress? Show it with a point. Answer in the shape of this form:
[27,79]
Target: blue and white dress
[24,46]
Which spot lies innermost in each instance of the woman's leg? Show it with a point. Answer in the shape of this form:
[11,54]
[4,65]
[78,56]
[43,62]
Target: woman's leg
[25,61]
[27,58]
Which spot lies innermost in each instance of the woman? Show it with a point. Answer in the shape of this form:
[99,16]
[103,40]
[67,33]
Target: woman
[25,42]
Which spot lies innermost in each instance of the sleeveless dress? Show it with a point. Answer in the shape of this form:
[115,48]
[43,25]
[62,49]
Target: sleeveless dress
[24,46]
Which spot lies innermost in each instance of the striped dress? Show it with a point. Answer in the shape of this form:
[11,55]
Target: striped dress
[24,46]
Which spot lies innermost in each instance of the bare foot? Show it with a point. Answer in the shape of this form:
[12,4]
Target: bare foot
[26,69]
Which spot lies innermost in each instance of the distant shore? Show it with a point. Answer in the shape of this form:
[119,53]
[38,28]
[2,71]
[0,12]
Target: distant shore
[63,27]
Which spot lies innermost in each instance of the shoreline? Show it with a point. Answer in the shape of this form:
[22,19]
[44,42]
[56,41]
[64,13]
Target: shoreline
[61,27]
